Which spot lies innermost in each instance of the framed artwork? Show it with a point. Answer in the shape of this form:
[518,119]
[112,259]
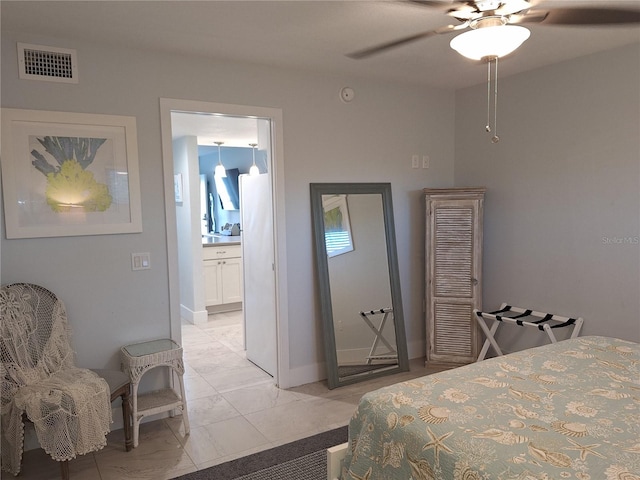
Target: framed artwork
[337,228]
[69,174]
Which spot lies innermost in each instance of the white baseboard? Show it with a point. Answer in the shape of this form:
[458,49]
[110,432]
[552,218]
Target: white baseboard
[194,317]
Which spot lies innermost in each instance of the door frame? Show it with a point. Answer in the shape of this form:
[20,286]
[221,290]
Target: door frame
[276,173]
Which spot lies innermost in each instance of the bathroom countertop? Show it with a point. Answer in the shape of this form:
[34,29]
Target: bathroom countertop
[213,240]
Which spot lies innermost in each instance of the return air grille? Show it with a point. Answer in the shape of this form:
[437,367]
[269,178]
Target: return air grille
[51,64]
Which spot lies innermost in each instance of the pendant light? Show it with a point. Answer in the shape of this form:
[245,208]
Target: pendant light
[220,171]
[489,39]
[254,170]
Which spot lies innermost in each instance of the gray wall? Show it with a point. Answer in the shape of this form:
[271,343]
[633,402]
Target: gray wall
[371,139]
[562,181]
[563,190]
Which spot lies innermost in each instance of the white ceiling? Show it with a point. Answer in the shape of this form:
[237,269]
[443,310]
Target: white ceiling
[309,35]
[233,131]
[313,35]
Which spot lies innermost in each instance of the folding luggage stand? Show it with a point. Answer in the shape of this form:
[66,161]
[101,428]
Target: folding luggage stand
[391,354]
[524,318]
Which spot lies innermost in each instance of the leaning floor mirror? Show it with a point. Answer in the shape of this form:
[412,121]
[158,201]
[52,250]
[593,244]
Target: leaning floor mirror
[358,281]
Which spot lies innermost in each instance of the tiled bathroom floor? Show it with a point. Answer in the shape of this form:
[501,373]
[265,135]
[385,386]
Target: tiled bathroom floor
[234,410]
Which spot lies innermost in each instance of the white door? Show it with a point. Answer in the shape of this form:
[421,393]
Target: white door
[259,276]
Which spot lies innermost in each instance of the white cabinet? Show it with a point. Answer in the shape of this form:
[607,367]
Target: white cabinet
[453,255]
[222,274]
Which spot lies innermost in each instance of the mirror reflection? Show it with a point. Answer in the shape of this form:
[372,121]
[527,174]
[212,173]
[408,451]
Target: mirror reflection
[358,279]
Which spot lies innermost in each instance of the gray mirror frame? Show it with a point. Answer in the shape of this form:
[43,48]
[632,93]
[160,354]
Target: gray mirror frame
[331,359]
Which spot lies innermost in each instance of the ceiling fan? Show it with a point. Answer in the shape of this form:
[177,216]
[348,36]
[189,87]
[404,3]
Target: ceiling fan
[479,14]
[493,28]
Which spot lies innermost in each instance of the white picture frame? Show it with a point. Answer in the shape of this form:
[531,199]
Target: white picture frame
[69,174]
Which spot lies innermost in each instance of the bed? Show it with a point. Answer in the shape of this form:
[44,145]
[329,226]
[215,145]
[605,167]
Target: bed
[569,410]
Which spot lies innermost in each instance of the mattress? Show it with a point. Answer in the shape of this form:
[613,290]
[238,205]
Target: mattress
[569,410]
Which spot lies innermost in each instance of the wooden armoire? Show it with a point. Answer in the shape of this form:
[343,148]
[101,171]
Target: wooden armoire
[453,270]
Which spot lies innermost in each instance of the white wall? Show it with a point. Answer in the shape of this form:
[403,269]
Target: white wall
[369,140]
[563,190]
[191,273]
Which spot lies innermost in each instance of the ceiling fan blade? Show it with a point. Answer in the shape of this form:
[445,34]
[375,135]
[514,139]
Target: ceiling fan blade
[582,16]
[461,9]
[442,4]
[532,16]
[367,52]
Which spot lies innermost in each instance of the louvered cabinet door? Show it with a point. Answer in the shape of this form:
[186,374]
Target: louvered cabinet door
[453,270]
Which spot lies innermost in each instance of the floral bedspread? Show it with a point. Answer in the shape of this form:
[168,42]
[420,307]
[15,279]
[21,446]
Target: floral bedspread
[569,410]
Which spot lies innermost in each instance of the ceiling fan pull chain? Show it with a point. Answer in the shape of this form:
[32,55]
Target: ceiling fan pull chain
[488,126]
[495,138]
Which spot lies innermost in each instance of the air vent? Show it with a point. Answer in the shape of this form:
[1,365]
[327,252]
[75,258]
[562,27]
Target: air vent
[50,64]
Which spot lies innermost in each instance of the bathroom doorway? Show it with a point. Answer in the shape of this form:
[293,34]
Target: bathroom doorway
[261,260]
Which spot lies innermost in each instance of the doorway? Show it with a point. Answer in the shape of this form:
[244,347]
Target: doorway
[275,206]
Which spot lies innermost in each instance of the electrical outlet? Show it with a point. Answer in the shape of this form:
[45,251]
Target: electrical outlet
[425,161]
[415,161]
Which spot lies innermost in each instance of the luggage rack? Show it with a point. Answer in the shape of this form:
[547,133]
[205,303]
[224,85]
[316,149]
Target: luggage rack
[523,318]
[391,353]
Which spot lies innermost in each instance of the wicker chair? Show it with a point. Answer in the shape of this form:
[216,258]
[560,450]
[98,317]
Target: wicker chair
[70,407]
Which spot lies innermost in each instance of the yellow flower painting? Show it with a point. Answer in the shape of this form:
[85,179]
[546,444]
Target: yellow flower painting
[69,184]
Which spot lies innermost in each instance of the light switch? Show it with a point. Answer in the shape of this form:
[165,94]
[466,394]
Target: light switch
[140,261]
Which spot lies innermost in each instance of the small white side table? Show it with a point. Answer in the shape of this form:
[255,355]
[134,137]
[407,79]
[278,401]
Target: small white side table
[139,358]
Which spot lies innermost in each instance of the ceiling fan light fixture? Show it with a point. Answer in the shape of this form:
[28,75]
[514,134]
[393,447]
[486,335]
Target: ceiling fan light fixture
[490,42]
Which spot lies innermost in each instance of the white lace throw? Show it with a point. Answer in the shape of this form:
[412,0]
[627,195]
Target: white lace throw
[70,407]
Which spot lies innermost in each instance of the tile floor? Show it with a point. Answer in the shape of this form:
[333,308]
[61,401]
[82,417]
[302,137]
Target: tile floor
[234,410]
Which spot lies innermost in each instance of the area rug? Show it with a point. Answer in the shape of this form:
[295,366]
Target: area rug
[304,459]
